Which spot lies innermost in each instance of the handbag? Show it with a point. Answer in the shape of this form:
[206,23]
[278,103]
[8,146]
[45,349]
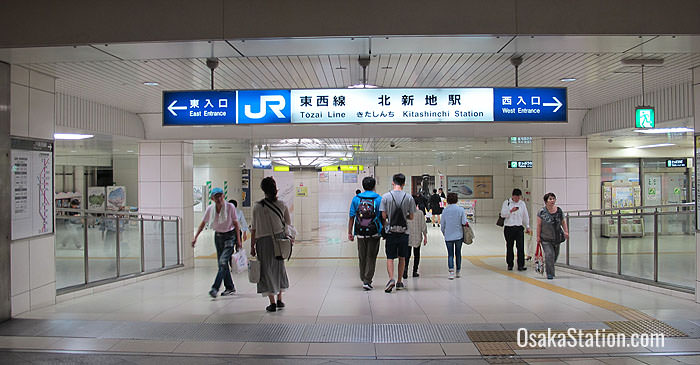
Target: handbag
[282,243]
[467,234]
[501,221]
[254,271]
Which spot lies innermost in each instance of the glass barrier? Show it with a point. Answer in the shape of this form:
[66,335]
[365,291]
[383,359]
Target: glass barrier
[94,246]
[654,244]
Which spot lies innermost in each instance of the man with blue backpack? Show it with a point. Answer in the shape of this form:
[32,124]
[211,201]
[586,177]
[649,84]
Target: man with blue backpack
[365,218]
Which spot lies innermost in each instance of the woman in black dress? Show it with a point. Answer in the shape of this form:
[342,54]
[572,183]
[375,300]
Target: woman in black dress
[435,208]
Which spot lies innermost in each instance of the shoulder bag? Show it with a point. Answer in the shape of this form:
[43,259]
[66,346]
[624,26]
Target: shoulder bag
[501,221]
[282,243]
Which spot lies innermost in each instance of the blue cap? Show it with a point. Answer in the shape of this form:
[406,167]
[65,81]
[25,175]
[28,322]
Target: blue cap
[215,191]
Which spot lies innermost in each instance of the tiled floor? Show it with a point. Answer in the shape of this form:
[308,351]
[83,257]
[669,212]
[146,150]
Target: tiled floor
[325,289]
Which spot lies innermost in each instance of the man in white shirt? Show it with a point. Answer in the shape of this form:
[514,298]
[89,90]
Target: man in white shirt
[514,211]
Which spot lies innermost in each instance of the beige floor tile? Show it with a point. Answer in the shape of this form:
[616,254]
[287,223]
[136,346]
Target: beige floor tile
[344,319]
[621,361]
[21,342]
[584,362]
[678,344]
[83,344]
[459,349]
[145,346]
[409,349]
[695,359]
[271,348]
[341,349]
[549,351]
[224,348]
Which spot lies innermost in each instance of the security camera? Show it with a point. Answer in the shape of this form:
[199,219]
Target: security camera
[610,140]
[392,144]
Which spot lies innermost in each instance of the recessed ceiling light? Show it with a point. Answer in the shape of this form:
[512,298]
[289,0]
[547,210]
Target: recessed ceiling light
[150,83]
[664,130]
[71,136]
[130,151]
[477,157]
[74,151]
[657,145]
[568,79]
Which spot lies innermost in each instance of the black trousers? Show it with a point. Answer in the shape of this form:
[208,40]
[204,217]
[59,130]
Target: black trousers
[515,235]
[416,260]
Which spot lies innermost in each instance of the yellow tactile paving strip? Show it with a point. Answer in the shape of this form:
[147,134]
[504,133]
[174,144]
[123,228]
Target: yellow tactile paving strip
[494,348]
[645,326]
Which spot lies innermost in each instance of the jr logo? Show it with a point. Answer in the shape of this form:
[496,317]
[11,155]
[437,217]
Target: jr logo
[276,103]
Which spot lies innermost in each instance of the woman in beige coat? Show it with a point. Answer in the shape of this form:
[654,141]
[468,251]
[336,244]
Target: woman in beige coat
[417,232]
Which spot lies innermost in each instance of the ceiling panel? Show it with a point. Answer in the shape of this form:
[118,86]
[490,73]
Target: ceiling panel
[590,44]
[53,54]
[147,51]
[388,45]
[301,46]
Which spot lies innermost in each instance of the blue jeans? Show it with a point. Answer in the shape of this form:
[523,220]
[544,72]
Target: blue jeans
[225,244]
[454,247]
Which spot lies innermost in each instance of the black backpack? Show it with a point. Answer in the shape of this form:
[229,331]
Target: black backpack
[397,221]
[365,218]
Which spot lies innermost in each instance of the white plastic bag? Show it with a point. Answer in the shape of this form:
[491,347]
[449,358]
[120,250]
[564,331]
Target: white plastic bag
[253,271]
[240,261]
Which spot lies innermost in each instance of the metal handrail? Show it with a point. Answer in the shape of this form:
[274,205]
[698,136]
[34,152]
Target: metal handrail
[587,211]
[120,218]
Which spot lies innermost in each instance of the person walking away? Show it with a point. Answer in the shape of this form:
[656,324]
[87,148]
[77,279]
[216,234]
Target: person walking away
[453,218]
[365,224]
[441,193]
[551,232]
[241,220]
[222,218]
[435,208]
[515,213]
[417,233]
[270,217]
[397,207]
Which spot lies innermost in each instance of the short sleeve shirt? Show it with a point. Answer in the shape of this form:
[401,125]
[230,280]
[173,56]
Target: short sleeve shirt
[394,198]
[266,222]
[226,225]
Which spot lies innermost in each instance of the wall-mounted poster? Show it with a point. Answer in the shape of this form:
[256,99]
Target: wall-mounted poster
[198,194]
[349,178]
[323,177]
[32,200]
[116,197]
[471,187]
[96,198]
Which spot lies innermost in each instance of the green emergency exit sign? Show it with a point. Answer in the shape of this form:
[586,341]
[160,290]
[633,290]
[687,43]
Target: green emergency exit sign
[644,117]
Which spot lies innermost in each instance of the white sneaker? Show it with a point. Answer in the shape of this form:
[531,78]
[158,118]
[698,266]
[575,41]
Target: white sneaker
[451,276]
[458,274]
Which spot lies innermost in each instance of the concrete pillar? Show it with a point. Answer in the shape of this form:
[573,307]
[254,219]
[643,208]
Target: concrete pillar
[696,113]
[165,186]
[33,264]
[560,166]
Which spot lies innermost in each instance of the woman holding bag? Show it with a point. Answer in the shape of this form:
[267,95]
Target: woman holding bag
[453,218]
[270,218]
[551,232]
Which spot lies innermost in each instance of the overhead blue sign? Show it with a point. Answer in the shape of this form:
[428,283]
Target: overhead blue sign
[199,107]
[529,104]
[316,106]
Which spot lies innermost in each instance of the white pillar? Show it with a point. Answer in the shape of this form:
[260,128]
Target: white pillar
[696,113]
[165,186]
[32,260]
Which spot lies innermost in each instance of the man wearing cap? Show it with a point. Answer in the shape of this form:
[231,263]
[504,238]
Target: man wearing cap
[222,218]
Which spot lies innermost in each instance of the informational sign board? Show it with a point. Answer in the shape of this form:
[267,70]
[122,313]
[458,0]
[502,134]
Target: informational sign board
[678,162]
[245,187]
[519,164]
[302,191]
[471,187]
[328,106]
[116,197]
[32,188]
[96,198]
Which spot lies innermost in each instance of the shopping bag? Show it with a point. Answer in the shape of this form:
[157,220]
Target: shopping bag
[240,261]
[467,234]
[253,271]
[538,261]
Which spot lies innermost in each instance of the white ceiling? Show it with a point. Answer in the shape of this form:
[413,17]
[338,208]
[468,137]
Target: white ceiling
[114,74]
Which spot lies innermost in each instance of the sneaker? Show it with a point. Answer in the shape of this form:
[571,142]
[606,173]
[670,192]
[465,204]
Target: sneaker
[451,275]
[550,277]
[433,224]
[390,286]
[458,274]
[400,286]
[510,268]
[416,274]
[271,308]
[370,285]
[228,292]
[522,268]
[280,304]
[366,287]
[405,275]
[213,292]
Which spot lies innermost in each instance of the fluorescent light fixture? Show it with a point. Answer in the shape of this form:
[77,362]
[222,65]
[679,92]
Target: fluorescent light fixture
[150,83]
[567,79]
[362,86]
[71,136]
[664,130]
[130,151]
[657,145]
